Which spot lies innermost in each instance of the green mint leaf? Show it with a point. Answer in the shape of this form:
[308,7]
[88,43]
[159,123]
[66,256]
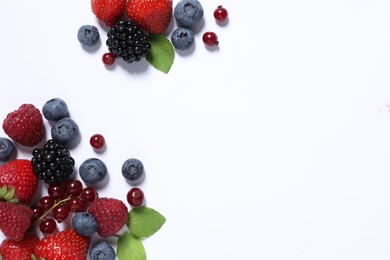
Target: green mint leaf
[161,53]
[144,222]
[130,247]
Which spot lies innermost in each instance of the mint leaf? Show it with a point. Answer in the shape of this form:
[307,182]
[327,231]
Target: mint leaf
[161,53]
[130,247]
[144,222]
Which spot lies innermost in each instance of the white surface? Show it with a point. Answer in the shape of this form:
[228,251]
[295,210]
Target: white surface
[275,146]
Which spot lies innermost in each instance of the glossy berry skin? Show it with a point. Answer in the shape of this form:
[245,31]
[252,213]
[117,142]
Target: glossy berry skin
[102,250]
[74,187]
[182,38]
[108,58]
[188,13]
[65,131]
[88,35]
[97,141]
[133,171]
[93,170]
[210,39]
[220,14]
[7,149]
[47,225]
[84,224]
[46,202]
[135,197]
[60,213]
[76,204]
[55,109]
[89,194]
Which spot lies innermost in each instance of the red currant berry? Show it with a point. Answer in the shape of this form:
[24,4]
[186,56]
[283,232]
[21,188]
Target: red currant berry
[76,205]
[97,141]
[220,14]
[74,187]
[60,213]
[47,225]
[108,58]
[57,191]
[37,212]
[88,194]
[46,202]
[210,39]
[135,197]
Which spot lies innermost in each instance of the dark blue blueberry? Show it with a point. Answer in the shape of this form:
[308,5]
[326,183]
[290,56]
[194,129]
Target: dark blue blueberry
[133,170]
[65,131]
[182,38]
[102,251]
[84,224]
[188,13]
[88,35]
[7,149]
[55,109]
[92,170]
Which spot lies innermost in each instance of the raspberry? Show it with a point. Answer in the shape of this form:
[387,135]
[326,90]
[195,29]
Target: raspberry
[110,214]
[128,41]
[25,125]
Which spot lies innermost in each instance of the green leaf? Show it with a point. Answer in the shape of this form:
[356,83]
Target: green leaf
[130,247]
[9,194]
[3,191]
[161,53]
[144,222]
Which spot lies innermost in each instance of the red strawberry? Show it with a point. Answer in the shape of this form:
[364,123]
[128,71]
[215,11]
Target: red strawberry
[15,220]
[18,173]
[110,214]
[65,245]
[153,16]
[108,11]
[11,250]
[25,125]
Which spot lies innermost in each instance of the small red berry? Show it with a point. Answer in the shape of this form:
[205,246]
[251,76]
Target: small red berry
[135,197]
[220,14]
[47,225]
[210,39]
[97,141]
[108,58]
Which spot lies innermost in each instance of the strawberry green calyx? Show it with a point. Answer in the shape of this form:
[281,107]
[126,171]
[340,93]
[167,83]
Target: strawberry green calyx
[7,195]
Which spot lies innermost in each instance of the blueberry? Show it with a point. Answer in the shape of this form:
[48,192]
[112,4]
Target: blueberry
[84,224]
[65,131]
[7,149]
[102,251]
[188,13]
[88,35]
[55,109]
[182,38]
[92,170]
[133,170]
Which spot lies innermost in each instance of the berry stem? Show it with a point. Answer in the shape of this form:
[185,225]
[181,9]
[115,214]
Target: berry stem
[55,205]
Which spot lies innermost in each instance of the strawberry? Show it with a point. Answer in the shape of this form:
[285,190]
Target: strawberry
[64,245]
[153,16]
[18,173]
[11,250]
[108,11]
[25,125]
[110,214]
[15,220]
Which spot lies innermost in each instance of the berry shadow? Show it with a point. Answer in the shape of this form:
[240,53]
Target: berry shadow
[101,184]
[223,23]
[137,182]
[134,67]
[92,49]
[188,52]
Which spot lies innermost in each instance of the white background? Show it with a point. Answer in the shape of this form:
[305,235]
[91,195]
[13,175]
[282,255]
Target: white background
[273,146]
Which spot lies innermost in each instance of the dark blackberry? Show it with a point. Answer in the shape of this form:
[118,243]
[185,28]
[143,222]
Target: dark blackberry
[52,163]
[127,41]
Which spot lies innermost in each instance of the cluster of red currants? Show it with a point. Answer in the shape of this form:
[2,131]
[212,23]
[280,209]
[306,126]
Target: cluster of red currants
[62,199]
[220,15]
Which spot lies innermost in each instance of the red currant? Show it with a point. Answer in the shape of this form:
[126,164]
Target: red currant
[47,225]
[60,213]
[37,212]
[88,194]
[135,197]
[56,191]
[74,187]
[46,202]
[76,205]
[220,14]
[108,58]
[210,39]
[97,141]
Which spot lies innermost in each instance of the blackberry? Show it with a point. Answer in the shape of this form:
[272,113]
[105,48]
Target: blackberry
[127,41]
[52,163]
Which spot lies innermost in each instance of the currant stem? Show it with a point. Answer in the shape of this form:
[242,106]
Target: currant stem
[55,205]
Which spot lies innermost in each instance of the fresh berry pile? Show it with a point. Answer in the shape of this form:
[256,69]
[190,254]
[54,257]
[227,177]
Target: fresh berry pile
[136,28]
[66,219]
